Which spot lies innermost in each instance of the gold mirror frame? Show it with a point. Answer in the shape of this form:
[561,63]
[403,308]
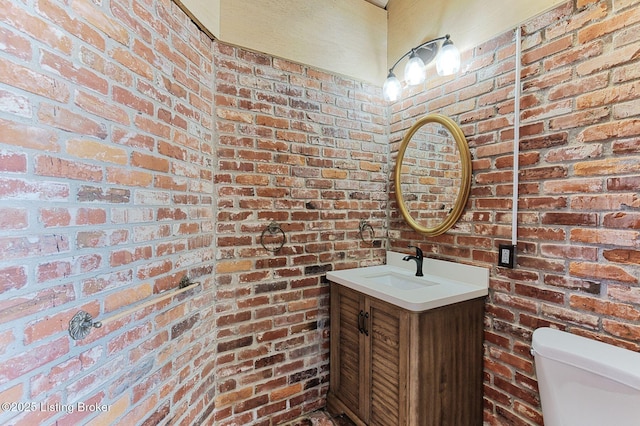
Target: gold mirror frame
[465,185]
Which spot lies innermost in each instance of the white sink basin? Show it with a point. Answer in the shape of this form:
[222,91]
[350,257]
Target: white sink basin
[397,281]
[443,283]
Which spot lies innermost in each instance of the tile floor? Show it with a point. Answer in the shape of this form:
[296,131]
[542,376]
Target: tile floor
[322,418]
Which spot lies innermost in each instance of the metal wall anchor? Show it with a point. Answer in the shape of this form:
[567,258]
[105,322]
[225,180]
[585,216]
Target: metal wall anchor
[81,324]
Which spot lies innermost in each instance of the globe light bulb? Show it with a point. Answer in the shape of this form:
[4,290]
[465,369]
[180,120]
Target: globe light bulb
[448,61]
[392,88]
[414,72]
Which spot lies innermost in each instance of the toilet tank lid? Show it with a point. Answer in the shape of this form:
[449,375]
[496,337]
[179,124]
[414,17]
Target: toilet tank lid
[606,360]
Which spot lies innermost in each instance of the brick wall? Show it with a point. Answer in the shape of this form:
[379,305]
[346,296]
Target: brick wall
[106,181]
[579,208]
[308,151]
[119,177]
[135,151]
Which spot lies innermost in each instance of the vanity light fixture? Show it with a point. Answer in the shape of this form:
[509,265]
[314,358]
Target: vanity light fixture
[447,63]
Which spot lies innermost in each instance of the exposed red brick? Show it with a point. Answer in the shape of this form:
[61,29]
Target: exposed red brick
[608,26]
[619,238]
[81,76]
[623,330]
[36,357]
[602,272]
[308,149]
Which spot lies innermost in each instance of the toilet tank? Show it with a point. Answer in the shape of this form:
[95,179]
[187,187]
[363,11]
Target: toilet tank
[584,382]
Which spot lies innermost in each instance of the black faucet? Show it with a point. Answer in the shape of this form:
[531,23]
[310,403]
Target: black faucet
[418,258]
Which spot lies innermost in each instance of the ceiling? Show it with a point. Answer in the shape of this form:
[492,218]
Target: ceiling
[379,3]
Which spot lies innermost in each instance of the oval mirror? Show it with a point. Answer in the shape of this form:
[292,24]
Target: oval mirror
[433,174]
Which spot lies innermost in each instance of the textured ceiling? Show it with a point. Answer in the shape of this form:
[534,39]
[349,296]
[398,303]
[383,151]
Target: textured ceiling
[379,3]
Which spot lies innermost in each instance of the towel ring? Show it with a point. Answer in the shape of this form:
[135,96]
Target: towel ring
[362,228]
[273,229]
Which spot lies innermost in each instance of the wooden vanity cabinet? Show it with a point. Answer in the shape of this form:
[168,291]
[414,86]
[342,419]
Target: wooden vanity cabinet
[391,366]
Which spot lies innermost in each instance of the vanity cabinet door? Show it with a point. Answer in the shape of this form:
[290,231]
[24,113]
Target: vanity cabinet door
[369,359]
[388,358]
[348,380]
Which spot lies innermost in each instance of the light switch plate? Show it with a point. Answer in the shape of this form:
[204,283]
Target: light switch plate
[506,255]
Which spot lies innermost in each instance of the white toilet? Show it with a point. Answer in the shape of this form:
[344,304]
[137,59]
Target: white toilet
[584,382]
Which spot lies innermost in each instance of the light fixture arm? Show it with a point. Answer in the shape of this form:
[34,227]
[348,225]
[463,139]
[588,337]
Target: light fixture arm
[447,63]
[415,49]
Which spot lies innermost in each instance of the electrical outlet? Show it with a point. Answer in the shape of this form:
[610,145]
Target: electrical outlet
[506,255]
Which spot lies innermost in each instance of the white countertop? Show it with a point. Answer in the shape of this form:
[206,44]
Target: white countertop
[443,283]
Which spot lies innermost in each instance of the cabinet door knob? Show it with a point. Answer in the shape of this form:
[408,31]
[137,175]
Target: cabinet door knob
[361,322]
